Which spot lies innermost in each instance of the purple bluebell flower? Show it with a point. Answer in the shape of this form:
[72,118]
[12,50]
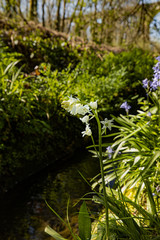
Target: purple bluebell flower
[149,114]
[154,85]
[153,194]
[156,76]
[125,106]
[145,83]
[156,67]
[110,151]
[158,58]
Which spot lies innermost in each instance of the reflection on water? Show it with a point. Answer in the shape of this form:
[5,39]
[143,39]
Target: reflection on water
[23,212]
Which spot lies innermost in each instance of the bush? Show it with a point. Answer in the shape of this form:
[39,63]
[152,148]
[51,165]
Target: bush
[31,119]
[115,76]
[35,47]
[129,167]
[34,129]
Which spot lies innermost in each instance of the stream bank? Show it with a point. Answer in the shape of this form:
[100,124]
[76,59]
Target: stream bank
[24,213]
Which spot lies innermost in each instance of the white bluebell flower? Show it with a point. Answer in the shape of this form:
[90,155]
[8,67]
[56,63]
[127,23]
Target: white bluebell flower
[106,124]
[85,119]
[93,105]
[87,131]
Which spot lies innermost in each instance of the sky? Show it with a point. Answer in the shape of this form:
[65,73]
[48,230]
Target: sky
[155,35]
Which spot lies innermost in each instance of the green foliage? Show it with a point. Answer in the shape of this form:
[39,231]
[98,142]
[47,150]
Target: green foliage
[134,132]
[113,76]
[132,162]
[34,128]
[53,233]
[31,116]
[31,120]
[84,223]
[138,142]
[35,47]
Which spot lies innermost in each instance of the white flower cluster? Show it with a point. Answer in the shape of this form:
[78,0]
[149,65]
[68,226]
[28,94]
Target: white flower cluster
[74,107]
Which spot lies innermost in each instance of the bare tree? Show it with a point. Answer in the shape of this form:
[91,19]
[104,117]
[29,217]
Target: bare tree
[43,12]
[73,16]
[58,18]
[33,10]
[64,15]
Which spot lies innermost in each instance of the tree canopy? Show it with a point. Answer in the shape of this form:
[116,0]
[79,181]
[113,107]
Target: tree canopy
[113,22]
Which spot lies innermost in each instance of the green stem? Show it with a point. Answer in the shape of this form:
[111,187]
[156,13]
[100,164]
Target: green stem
[158,112]
[102,174]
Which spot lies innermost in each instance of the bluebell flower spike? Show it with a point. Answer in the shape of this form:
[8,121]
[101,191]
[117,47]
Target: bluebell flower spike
[125,106]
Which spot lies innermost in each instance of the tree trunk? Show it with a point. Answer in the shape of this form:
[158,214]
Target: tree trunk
[33,10]
[8,8]
[43,13]
[103,22]
[80,22]
[94,23]
[64,14]
[58,18]
[73,16]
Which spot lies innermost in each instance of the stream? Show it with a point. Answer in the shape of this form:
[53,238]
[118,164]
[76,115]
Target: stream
[24,212]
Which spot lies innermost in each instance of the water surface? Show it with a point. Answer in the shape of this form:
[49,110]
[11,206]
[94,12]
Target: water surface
[23,211]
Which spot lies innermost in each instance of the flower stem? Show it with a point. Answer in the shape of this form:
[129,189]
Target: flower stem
[158,112]
[102,174]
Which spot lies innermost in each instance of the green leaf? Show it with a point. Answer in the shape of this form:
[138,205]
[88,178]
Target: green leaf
[150,197]
[154,110]
[53,233]
[150,163]
[84,222]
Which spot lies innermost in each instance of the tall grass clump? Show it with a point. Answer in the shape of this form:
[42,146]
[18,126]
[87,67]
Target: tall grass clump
[128,185]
